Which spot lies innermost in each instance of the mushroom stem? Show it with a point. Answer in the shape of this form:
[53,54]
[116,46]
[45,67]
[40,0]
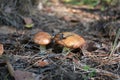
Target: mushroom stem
[42,49]
[66,50]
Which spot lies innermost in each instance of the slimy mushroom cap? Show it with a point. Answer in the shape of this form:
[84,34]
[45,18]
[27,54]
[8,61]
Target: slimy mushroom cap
[42,38]
[70,40]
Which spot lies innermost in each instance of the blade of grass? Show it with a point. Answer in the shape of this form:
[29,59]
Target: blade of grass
[114,44]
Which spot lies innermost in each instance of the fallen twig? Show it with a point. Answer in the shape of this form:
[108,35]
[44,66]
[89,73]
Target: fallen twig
[10,68]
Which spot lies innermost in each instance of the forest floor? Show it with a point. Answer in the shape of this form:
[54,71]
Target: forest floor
[99,61]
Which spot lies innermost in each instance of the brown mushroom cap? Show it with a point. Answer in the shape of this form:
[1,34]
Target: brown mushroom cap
[42,38]
[1,49]
[70,40]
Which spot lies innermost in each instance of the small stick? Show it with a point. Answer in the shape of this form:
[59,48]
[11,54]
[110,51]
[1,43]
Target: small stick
[10,68]
[107,73]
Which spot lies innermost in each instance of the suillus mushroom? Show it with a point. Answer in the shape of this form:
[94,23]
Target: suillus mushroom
[1,49]
[69,40]
[42,39]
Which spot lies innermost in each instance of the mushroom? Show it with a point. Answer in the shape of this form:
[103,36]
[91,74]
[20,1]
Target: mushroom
[69,40]
[1,49]
[43,39]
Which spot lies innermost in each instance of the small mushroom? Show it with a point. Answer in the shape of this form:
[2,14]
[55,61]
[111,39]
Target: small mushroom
[43,39]
[1,49]
[69,40]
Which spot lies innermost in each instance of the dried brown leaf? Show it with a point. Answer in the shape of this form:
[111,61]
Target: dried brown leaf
[24,75]
[42,63]
[28,20]
[1,49]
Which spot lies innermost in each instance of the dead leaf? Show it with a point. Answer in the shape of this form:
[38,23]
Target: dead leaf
[7,30]
[29,25]
[75,60]
[1,49]
[42,63]
[8,9]
[24,75]
[28,22]
[70,55]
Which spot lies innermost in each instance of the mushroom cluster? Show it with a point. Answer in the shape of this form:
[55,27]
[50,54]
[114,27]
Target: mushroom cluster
[69,40]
